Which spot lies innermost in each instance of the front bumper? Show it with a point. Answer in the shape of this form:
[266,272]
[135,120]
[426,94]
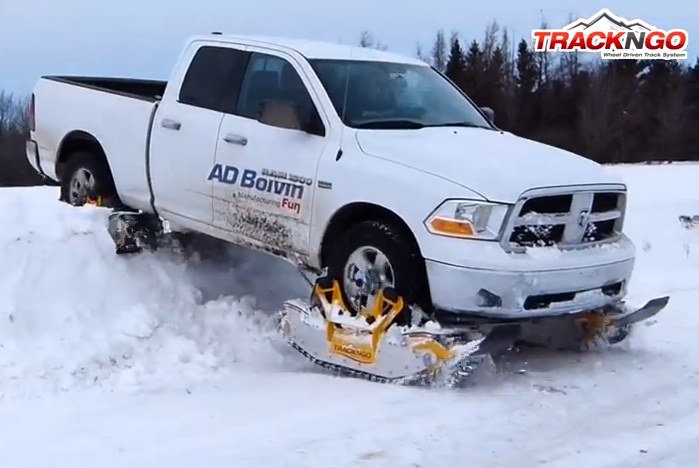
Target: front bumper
[518,294]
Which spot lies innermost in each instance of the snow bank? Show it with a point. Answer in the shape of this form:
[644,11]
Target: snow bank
[74,314]
[658,195]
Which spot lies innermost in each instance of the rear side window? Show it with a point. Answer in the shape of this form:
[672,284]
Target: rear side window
[213,78]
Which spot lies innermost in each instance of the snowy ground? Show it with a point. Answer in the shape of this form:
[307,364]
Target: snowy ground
[146,362]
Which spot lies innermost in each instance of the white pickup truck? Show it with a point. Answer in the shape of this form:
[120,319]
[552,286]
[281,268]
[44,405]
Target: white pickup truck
[370,164]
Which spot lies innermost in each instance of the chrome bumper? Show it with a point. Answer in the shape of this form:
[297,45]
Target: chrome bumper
[518,294]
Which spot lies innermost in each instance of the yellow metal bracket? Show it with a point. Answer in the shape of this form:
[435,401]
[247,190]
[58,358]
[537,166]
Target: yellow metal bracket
[594,324]
[379,318]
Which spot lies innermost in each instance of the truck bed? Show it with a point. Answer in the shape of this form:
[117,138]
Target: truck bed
[148,90]
[115,113]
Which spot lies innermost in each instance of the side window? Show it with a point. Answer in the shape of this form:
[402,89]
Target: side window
[213,78]
[273,93]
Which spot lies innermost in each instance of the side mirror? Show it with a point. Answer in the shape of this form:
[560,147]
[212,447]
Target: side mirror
[490,113]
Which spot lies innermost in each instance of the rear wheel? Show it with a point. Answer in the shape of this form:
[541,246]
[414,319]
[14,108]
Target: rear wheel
[86,177]
[373,255]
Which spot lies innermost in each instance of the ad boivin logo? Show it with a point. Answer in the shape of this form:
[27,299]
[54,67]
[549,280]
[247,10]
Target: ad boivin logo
[250,179]
[614,38]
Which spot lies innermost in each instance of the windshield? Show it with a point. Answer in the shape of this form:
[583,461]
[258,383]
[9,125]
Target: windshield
[384,95]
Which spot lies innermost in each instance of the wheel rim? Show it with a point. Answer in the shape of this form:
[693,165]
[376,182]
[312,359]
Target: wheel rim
[366,272]
[81,184]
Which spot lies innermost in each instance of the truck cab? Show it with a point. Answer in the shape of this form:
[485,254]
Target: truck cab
[235,148]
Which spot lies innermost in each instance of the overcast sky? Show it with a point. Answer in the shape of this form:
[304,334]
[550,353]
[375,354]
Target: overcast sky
[142,38]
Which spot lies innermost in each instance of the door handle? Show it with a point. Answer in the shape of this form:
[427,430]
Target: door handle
[234,139]
[171,124]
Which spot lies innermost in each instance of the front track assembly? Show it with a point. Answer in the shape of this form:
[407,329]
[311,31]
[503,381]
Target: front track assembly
[372,346]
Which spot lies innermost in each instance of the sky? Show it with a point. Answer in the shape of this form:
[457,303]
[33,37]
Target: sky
[143,38]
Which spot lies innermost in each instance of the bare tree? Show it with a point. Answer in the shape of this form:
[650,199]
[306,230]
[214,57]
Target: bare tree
[439,51]
[20,116]
[491,40]
[569,63]
[6,111]
[14,131]
[420,53]
[671,114]
[543,61]
[508,51]
[608,115]
[366,39]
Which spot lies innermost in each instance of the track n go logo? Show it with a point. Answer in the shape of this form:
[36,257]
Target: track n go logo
[614,38]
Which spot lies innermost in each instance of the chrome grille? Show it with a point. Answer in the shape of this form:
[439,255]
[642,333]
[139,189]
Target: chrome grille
[568,219]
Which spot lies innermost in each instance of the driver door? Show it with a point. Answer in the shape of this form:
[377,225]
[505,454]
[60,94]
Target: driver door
[267,158]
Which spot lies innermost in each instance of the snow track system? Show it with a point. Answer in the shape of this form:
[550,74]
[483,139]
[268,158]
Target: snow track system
[372,345]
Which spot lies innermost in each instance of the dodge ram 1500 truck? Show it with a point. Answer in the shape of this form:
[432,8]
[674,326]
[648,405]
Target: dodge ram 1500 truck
[369,164]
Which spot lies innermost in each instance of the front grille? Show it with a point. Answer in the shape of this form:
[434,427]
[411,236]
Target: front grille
[578,218]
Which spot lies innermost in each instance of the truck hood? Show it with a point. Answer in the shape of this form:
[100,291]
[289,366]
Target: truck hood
[499,166]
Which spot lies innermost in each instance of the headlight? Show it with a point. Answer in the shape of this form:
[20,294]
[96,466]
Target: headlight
[467,219]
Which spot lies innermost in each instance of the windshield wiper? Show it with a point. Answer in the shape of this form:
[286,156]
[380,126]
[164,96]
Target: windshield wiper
[458,124]
[405,124]
[396,124]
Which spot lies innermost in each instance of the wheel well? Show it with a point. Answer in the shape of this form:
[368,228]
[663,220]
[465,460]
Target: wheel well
[79,141]
[358,212]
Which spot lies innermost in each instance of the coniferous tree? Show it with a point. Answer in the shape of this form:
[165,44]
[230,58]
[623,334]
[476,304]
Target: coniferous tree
[526,69]
[494,74]
[456,63]
[473,75]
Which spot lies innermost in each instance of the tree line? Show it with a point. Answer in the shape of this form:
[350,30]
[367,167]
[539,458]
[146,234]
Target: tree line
[610,111]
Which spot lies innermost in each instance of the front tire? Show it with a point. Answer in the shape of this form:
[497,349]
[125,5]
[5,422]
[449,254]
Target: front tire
[373,255]
[86,177]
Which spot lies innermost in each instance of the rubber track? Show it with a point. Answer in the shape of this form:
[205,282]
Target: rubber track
[461,370]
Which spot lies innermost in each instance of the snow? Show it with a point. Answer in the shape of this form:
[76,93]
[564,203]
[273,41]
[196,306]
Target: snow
[145,361]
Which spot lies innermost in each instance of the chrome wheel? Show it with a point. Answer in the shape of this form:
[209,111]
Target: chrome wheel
[81,185]
[366,272]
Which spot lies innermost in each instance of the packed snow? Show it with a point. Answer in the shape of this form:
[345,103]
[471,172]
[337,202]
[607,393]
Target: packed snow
[148,361]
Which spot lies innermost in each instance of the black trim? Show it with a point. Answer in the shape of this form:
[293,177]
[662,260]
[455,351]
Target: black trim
[144,90]
[149,137]
[47,180]
[36,158]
